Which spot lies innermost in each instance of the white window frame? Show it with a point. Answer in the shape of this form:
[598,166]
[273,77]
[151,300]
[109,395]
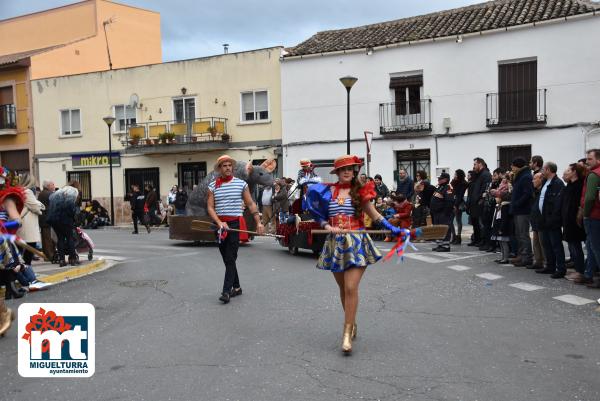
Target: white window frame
[255,121]
[62,135]
[184,98]
[116,123]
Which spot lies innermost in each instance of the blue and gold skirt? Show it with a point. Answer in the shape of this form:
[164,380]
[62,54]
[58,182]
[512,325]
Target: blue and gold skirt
[344,251]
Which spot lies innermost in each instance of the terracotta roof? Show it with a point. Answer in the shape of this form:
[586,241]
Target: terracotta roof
[476,18]
[15,57]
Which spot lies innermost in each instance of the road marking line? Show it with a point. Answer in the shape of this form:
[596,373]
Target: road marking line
[98,250]
[489,276]
[458,268]
[442,258]
[526,286]
[112,257]
[574,299]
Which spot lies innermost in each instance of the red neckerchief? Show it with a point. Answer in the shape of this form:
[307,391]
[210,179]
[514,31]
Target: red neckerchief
[337,186]
[222,180]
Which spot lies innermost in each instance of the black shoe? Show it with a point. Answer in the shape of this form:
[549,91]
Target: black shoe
[235,292]
[457,241]
[442,248]
[135,232]
[504,262]
[472,244]
[546,271]
[436,249]
[491,249]
[558,275]
[13,292]
[62,263]
[224,297]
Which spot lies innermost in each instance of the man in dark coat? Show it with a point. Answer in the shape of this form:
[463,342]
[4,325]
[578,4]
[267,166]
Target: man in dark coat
[48,245]
[481,177]
[442,208]
[534,220]
[137,200]
[573,232]
[550,205]
[405,185]
[520,209]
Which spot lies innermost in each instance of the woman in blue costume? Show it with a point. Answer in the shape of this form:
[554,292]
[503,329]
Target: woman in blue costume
[339,207]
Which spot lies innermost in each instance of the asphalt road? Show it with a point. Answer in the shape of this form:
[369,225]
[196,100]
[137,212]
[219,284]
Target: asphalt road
[425,331]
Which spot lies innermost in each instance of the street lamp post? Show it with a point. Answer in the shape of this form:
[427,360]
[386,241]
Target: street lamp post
[109,121]
[348,81]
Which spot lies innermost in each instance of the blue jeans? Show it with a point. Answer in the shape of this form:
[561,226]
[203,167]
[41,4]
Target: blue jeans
[592,245]
[283,216]
[554,250]
[26,276]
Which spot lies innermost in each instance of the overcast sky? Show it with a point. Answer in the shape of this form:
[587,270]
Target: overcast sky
[195,28]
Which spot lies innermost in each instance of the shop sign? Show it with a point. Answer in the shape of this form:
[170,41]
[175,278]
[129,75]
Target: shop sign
[89,160]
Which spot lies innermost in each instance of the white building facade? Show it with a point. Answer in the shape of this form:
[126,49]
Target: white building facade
[436,103]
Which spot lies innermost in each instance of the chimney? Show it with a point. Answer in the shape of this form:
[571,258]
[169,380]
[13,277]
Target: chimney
[225,48]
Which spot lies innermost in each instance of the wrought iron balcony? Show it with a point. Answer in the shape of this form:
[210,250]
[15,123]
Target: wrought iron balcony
[159,133]
[8,115]
[525,107]
[400,117]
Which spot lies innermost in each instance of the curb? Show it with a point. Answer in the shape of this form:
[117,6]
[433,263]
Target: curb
[74,273]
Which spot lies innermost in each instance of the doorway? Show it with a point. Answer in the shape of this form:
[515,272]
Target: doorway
[413,161]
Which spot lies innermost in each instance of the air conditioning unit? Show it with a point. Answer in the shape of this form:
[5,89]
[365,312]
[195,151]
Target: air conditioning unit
[447,123]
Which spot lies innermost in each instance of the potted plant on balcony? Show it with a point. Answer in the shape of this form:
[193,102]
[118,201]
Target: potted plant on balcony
[225,137]
[170,137]
[213,131]
[149,141]
[134,139]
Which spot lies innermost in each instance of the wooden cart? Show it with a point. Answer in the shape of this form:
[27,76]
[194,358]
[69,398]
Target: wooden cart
[180,228]
[298,236]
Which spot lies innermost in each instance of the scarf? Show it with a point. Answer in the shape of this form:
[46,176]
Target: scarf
[221,180]
[338,186]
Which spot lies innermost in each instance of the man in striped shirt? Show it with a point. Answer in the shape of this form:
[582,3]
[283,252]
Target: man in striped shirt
[226,198]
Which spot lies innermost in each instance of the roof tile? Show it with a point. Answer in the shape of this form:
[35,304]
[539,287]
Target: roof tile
[479,17]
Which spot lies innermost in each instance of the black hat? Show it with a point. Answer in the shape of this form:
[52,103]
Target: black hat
[444,175]
[519,162]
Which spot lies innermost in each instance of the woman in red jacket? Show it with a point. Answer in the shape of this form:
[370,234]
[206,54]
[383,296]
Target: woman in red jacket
[402,217]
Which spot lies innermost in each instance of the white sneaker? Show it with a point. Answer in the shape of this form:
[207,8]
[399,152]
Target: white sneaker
[38,285]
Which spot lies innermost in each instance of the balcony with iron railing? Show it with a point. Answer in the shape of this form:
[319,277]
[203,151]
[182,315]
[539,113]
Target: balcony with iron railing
[405,117]
[516,108]
[8,116]
[173,136]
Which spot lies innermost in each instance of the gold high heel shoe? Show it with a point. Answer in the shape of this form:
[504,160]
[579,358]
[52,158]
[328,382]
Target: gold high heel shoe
[347,338]
[354,329]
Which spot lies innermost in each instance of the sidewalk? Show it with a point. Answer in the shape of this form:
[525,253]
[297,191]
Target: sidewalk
[52,274]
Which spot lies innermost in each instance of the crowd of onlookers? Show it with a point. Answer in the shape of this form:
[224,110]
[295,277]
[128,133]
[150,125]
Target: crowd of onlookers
[529,214]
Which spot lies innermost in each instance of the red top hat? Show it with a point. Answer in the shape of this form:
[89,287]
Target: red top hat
[346,160]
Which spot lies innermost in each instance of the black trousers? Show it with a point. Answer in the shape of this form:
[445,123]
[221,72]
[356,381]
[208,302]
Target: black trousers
[443,218]
[476,229]
[66,245]
[135,217]
[229,250]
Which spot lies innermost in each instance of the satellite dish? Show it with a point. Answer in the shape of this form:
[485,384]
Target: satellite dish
[134,100]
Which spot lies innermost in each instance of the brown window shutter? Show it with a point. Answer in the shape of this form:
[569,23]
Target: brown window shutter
[400,101]
[414,99]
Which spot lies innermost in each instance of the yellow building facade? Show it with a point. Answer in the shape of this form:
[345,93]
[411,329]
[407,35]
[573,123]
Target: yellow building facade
[172,121]
[92,35]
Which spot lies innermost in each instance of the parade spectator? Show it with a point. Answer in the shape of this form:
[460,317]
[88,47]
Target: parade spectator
[405,185]
[265,206]
[489,206]
[442,210]
[520,209]
[181,198]
[402,212]
[98,216]
[459,186]
[281,204]
[363,179]
[61,216]
[48,245]
[550,204]
[29,230]
[480,178]
[591,218]
[171,198]
[536,164]
[151,205]
[137,201]
[573,232]
[502,225]
[381,189]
